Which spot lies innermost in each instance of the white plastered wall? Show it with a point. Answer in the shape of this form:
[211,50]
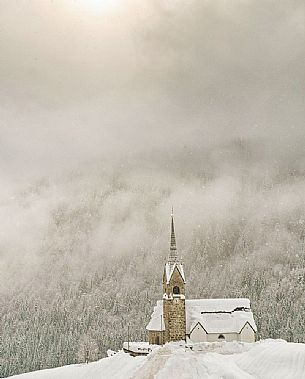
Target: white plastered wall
[247,334]
[229,337]
[198,334]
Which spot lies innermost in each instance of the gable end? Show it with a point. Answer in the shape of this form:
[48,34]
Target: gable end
[198,323]
[245,325]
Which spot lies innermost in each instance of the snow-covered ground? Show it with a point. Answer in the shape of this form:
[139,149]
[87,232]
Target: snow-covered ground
[269,359]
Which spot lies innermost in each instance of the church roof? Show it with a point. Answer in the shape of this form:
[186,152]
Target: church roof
[214,315]
[155,321]
[173,260]
[173,255]
[219,315]
[218,305]
[169,270]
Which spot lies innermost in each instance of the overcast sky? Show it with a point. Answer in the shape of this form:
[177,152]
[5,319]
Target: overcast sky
[155,101]
[80,81]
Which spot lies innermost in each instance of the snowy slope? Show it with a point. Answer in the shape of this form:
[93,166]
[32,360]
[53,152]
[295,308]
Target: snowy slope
[270,359]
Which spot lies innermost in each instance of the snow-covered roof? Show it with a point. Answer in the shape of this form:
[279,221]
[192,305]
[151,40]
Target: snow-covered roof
[218,305]
[137,347]
[155,320]
[219,315]
[220,322]
[215,315]
[169,269]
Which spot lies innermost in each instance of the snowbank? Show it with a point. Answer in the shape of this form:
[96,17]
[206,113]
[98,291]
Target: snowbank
[269,359]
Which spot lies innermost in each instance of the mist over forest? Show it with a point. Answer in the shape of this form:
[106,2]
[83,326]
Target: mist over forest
[110,117]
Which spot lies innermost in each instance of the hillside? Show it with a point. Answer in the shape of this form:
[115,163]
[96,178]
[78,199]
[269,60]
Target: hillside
[269,359]
[97,263]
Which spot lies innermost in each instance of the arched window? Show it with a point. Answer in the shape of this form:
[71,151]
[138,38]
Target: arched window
[176,290]
[221,337]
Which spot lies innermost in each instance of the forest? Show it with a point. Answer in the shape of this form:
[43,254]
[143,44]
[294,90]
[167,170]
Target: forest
[87,259]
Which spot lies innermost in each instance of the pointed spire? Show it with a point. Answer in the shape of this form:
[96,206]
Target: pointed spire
[173,237]
[173,256]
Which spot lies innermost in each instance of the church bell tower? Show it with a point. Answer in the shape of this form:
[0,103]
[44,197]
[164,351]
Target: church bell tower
[174,293]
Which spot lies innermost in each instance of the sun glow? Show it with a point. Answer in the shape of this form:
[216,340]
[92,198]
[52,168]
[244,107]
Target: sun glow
[97,5]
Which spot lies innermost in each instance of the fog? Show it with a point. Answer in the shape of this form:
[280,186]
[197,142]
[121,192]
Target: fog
[199,104]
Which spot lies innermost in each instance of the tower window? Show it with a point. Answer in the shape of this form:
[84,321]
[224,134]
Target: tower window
[176,290]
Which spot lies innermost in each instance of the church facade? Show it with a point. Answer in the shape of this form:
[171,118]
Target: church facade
[176,318]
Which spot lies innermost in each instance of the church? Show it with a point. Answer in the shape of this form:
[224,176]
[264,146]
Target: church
[176,318]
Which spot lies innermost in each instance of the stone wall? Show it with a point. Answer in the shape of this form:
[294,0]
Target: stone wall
[174,308]
[176,280]
[174,319]
[156,337]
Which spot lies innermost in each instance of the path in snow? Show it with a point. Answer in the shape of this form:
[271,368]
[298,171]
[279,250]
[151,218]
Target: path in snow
[270,359]
[154,363]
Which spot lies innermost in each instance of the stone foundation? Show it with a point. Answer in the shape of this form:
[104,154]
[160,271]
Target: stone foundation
[156,337]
